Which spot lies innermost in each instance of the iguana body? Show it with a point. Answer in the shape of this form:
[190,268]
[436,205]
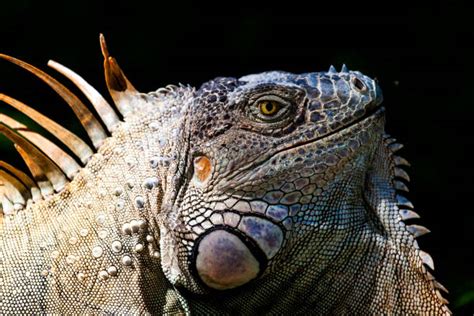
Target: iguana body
[273,193]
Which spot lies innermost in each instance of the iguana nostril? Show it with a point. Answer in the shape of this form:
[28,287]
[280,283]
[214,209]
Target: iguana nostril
[224,261]
[202,167]
[358,84]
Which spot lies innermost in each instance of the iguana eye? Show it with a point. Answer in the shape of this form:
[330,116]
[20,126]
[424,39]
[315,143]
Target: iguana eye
[268,107]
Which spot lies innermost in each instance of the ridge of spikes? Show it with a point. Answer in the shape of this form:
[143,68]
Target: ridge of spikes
[50,166]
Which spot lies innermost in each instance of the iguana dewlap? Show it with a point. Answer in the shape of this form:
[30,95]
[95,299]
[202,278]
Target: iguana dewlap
[274,193]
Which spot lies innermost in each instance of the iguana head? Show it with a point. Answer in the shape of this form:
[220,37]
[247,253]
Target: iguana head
[262,150]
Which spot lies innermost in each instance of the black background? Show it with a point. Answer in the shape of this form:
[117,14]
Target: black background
[421,52]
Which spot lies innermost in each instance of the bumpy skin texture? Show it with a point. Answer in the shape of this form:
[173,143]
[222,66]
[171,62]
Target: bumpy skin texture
[200,204]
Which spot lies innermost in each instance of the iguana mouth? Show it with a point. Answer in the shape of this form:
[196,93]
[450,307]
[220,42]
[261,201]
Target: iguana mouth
[373,111]
[370,113]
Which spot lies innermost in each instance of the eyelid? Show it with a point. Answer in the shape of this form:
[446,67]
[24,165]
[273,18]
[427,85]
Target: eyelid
[271,97]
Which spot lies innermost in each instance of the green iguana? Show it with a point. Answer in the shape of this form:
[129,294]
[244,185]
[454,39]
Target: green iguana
[275,193]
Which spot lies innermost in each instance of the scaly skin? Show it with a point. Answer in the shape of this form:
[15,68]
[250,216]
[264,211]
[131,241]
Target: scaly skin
[203,203]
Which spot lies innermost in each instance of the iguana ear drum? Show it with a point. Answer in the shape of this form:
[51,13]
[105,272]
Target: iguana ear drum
[224,259]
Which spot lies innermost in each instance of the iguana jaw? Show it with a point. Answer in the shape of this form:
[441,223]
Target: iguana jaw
[374,113]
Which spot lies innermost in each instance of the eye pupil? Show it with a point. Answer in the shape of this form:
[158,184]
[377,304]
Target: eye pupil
[268,107]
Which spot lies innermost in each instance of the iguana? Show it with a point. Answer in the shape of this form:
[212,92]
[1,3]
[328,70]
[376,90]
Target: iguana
[274,193]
